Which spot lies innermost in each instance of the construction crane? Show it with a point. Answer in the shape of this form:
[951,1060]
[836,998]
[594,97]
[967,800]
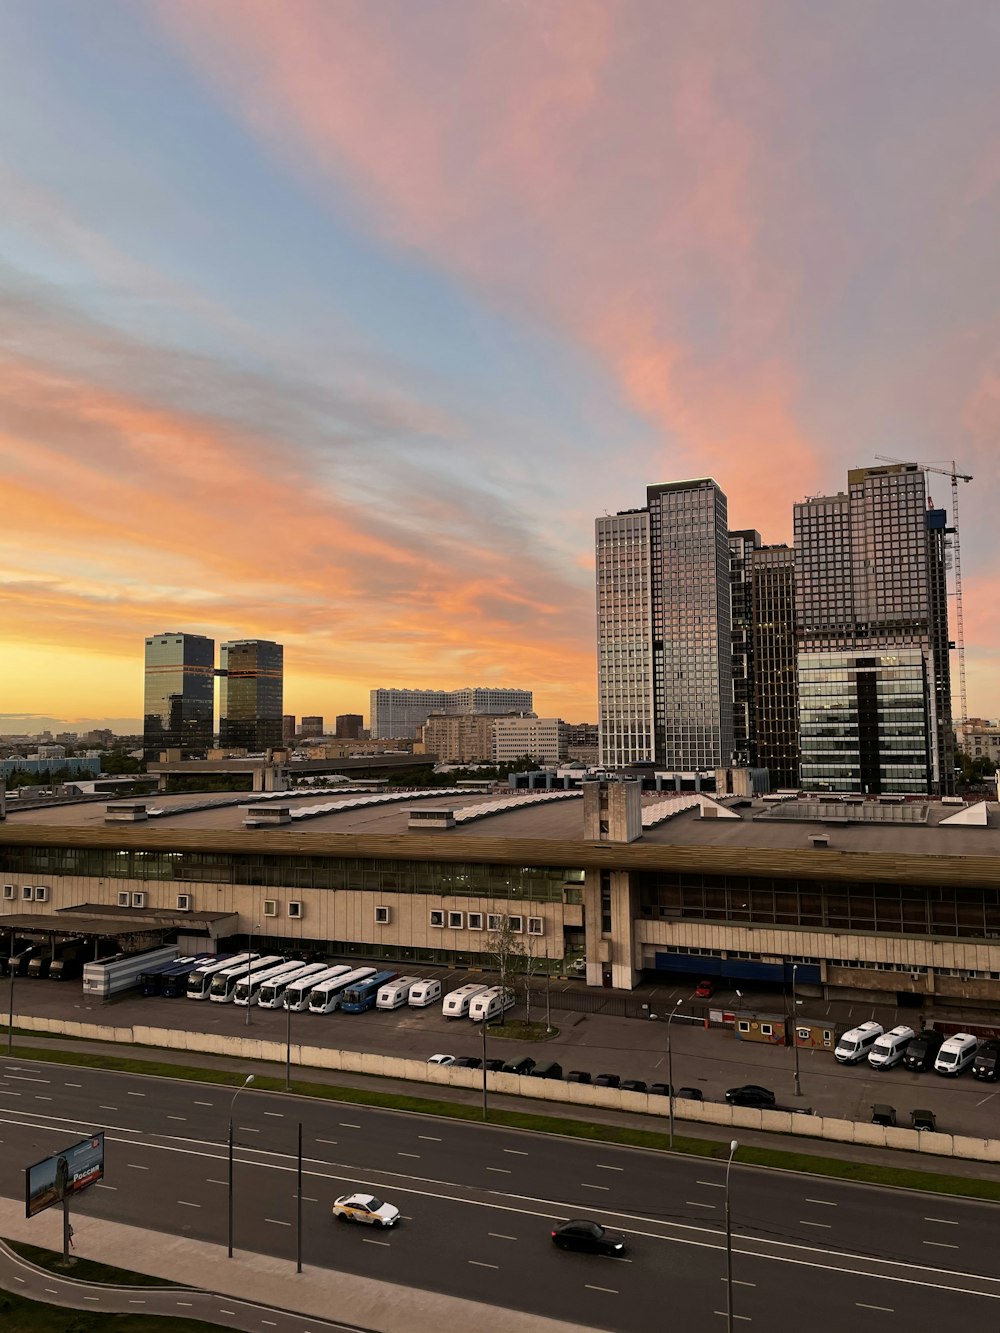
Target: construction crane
[956,477]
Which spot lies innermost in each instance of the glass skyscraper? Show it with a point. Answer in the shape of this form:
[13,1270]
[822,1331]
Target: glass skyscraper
[251,695]
[872,625]
[665,662]
[179,694]
[775,710]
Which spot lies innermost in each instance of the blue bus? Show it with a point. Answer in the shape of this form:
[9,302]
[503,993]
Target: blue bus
[173,981]
[149,982]
[363,994]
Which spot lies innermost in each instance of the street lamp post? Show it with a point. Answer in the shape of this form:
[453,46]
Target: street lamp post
[232,1104]
[670,1069]
[10,1004]
[729,1244]
[795,1037]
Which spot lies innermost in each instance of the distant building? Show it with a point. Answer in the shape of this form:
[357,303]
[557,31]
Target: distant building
[399,713]
[250,697]
[979,739]
[775,698]
[311,727]
[540,738]
[287,727]
[179,702]
[349,726]
[459,738]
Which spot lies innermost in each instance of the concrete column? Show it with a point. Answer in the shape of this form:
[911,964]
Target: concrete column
[592,926]
[624,973]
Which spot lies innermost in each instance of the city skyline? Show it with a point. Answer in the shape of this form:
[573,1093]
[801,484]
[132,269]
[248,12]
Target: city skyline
[356,374]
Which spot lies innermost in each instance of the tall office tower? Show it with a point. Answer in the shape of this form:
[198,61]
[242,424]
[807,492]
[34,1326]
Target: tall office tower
[287,727]
[665,668]
[250,696]
[349,726]
[775,703]
[872,637]
[179,706]
[397,714]
[742,545]
[311,727]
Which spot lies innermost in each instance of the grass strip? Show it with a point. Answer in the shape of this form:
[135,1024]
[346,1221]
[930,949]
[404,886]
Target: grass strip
[19,1315]
[654,1140]
[85,1270]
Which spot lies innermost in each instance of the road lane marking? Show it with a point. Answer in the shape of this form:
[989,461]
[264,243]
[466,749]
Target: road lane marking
[184,1204]
[39,1097]
[206,1104]
[86,1298]
[945,1221]
[346,1124]
[176,1117]
[187,1303]
[479,1263]
[499,1235]
[693,1203]
[218,1182]
[883,1309]
[744,1317]
[415,1155]
[53,1291]
[28,1078]
[221,1311]
[585,1186]
[332,1142]
[738,1282]
[275,1221]
[940,1244]
[825,1225]
[825,1203]
[500,1170]
[136,1094]
[108,1108]
[279,1114]
[107,1187]
[601,1167]
[135,1302]
[136,1167]
[610,1290]
[370,1240]
[711,1184]
[78,1085]
[431,1138]
[516,1151]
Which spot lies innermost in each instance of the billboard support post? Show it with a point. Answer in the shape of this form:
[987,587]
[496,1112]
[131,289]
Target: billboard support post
[67,1234]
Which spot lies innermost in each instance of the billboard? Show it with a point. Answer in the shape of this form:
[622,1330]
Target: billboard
[63,1174]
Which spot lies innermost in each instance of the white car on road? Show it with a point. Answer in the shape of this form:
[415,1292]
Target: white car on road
[365,1208]
[440,1059]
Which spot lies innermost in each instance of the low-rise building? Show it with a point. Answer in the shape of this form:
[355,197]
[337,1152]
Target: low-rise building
[540,738]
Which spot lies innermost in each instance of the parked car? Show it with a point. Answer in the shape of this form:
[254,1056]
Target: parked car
[365,1208]
[704,990]
[690,1094]
[750,1094]
[922,1050]
[468,1062]
[494,1065]
[522,1066]
[440,1059]
[660,1089]
[986,1065]
[633,1085]
[607,1081]
[578,1076]
[590,1237]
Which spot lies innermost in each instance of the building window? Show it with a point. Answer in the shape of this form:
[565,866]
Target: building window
[437,919]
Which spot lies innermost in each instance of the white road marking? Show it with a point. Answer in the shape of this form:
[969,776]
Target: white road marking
[610,1290]
[86,1298]
[332,1142]
[218,1182]
[431,1138]
[221,1311]
[711,1184]
[940,1244]
[28,1078]
[498,1235]
[345,1124]
[135,1302]
[585,1186]
[275,1221]
[737,1282]
[370,1240]
[187,1303]
[517,1152]
[39,1097]
[500,1170]
[108,1108]
[184,1203]
[945,1221]
[744,1317]
[209,1104]
[601,1167]
[825,1203]
[136,1167]
[883,1309]
[693,1203]
[825,1225]
[176,1117]
[479,1263]
[409,1154]
[78,1085]
[136,1094]
[107,1187]
[280,1114]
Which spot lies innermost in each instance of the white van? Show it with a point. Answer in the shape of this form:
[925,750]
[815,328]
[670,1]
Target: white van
[423,994]
[890,1048]
[957,1053]
[491,1004]
[456,1002]
[395,993]
[855,1045]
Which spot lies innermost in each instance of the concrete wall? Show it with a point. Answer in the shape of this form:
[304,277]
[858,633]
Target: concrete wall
[539,1089]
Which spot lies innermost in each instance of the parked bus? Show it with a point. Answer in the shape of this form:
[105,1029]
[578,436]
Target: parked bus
[149,981]
[361,995]
[174,981]
[224,983]
[296,997]
[272,994]
[111,976]
[69,960]
[325,997]
[199,982]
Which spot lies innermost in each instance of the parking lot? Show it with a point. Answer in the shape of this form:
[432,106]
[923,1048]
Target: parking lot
[710,1059]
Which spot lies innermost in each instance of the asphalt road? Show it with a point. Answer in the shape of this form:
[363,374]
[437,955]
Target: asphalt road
[478,1203]
[709,1059]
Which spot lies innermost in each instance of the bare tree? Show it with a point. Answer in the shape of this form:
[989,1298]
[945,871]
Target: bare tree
[505,949]
[530,963]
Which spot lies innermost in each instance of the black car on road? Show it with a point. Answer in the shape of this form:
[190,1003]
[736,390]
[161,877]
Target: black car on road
[590,1237]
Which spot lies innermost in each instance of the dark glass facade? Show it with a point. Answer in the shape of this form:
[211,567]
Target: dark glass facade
[251,695]
[775,714]
[898,909]
[742,546]
[179,696]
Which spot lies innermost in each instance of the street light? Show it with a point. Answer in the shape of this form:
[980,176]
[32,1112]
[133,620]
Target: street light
[10,1008]
[795,1035]
[246,1083]
[729,1244]
[670,1068]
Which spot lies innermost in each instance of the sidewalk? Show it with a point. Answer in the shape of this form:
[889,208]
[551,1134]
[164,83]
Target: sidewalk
[243,1292]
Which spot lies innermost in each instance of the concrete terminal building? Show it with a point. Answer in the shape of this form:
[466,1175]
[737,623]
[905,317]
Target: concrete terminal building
[874,899]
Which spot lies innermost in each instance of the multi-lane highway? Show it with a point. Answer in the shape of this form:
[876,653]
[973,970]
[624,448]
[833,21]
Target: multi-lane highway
[478,1203]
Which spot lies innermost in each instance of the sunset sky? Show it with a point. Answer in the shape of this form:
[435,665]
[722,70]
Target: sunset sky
[338,323]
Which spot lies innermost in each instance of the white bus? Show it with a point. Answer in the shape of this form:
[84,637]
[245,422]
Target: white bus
[325,997]
[248,987]
[224,983]
[296,997]
[272,993]
[199,981]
